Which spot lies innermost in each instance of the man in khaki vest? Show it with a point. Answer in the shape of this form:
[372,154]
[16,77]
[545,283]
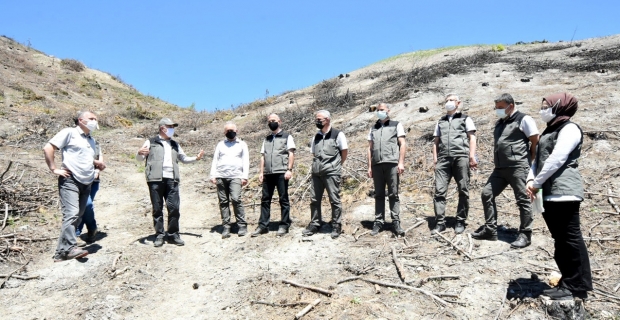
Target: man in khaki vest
[162,155]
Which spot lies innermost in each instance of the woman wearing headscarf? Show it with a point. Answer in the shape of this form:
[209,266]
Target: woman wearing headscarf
[555,171]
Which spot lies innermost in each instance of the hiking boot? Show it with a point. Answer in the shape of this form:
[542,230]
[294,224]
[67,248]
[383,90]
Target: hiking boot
[550,290]
[243,230]
[91,235]
[523,240]
[440,227]
[459,227]
[398,230]
[336,230]
[259,231]
[159,241]
[560,294]
[80,243]
[175,239]
[226,232]
[282,230]
[76,253]
[376,228]
[485,234]
[310,230]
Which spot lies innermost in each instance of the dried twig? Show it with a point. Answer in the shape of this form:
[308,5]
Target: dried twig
[421,282]
[6,214]
[316,289]
[612,202]
[455,247]
[419,223]
[401,286]
[499,313]
[279,304]
[7,170]
[26,277]
[471,243]
[361,234]
[13,272]
[348,279]
[307,309]
[399,266]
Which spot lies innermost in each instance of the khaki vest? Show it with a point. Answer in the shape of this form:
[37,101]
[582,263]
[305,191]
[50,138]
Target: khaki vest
[512,146]
[155,161]
[453,141]
[276,153]
[567,180]
[327,160]
[385,147]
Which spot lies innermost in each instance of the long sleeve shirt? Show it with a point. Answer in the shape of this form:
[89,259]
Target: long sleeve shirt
[568,139]
[231,159]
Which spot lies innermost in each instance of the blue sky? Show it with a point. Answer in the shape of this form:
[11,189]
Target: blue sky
[221,53]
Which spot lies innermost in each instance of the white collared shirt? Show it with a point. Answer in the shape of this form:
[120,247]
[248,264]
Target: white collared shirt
[78,152]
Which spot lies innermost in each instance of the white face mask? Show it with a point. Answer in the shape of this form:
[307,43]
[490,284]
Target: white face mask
[501,113]
[547,115]
[169,132]
[450,106]
[92,125]
[382,115]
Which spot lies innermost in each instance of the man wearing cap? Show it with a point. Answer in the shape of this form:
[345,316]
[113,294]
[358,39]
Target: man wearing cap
[386,161]
[75,176]
[162,155]
[276,169]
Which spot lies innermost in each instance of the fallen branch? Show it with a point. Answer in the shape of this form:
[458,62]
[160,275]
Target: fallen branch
[610,199]
[471,243]
[307,309]
[601,239]
[118,272]
[419,223]
[410,288]
[348,279]
[602,194]
[26,277]
[6,213]
[455,247]
[499,313]
[361,234]
[421,282]
[115,261]
[7,170]
[286,305]
[319,290]
[8,276]
[399,266]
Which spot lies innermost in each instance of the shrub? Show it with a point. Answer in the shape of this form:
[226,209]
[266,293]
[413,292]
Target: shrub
[499,48]
[72,64]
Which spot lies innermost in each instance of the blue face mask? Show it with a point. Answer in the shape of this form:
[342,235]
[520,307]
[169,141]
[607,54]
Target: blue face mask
[501,113]
[382,115]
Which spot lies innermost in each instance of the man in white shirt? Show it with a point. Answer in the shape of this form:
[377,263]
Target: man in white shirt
[229,172]
[162,155]
[75,176]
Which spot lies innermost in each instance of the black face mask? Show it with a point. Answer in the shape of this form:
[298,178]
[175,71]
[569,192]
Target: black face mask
[273,126]
[231,135]
[319,124]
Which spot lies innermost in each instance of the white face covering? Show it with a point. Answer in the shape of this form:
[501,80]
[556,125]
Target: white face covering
[382,114]
[547,115]
[169,132]
[450,106]
[91,125]
[501,113]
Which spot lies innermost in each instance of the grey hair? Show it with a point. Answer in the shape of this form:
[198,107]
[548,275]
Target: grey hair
[505,97]
[325,113]
[228,123]
[274,114]
[384,105]
[80,115]
[453,95]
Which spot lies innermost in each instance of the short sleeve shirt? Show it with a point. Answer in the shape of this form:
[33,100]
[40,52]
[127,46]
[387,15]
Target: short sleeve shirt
[469,126]
[528,126]
[78,153]
[400,131]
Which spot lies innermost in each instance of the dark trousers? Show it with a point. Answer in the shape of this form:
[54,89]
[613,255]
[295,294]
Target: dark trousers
[88,218]
[166,190]
[270,183]
[229,190]
[498,181]
[571,254]
[446,168]
[386,174]
[319,185]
